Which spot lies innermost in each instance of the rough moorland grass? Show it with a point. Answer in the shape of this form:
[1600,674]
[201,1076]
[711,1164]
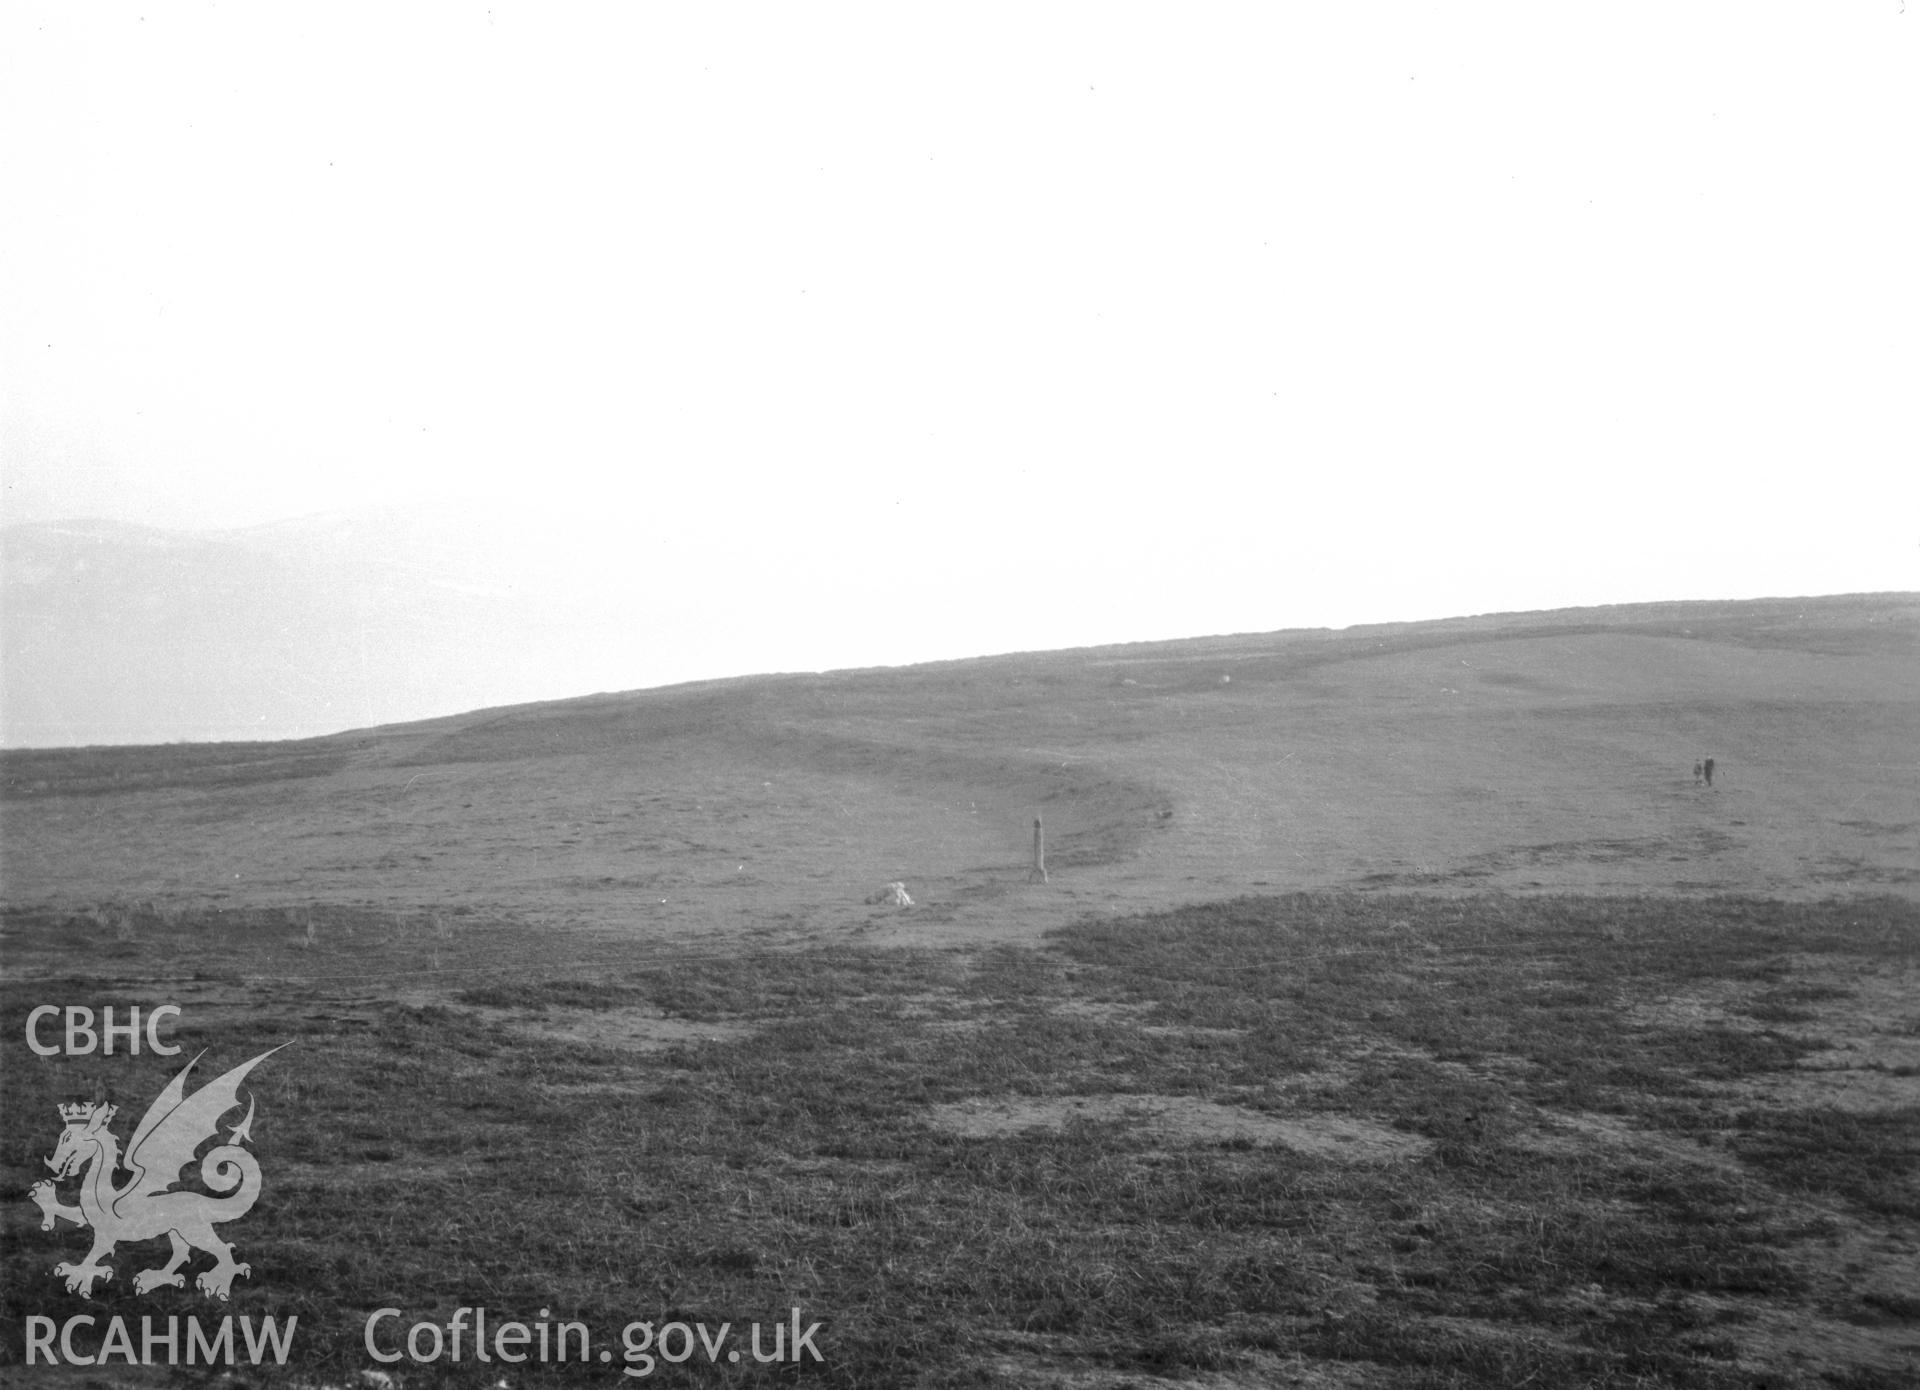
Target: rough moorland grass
[436,1157]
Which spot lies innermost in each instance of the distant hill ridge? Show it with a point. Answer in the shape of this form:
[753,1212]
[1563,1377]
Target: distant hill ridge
[1838,623]
[125,634]
[1524,752]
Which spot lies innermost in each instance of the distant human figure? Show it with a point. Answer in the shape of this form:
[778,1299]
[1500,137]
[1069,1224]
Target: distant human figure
[1707,768]
[1697,770]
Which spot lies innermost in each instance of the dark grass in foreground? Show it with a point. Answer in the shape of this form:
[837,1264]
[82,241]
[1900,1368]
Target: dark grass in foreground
[429,1158]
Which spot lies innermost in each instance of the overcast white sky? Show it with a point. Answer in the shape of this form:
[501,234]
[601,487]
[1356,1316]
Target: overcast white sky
[985,327]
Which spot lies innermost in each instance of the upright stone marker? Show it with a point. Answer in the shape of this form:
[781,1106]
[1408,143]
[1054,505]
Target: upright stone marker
[1038,873]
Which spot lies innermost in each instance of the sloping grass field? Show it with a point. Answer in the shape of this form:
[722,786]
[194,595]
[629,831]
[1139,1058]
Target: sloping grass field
[1398,1011]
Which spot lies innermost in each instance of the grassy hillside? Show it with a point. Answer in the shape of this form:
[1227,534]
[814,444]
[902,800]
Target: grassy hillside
[1522,753]
[1399,1012]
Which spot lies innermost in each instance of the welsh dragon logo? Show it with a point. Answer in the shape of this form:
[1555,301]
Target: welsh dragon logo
[147,1206]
